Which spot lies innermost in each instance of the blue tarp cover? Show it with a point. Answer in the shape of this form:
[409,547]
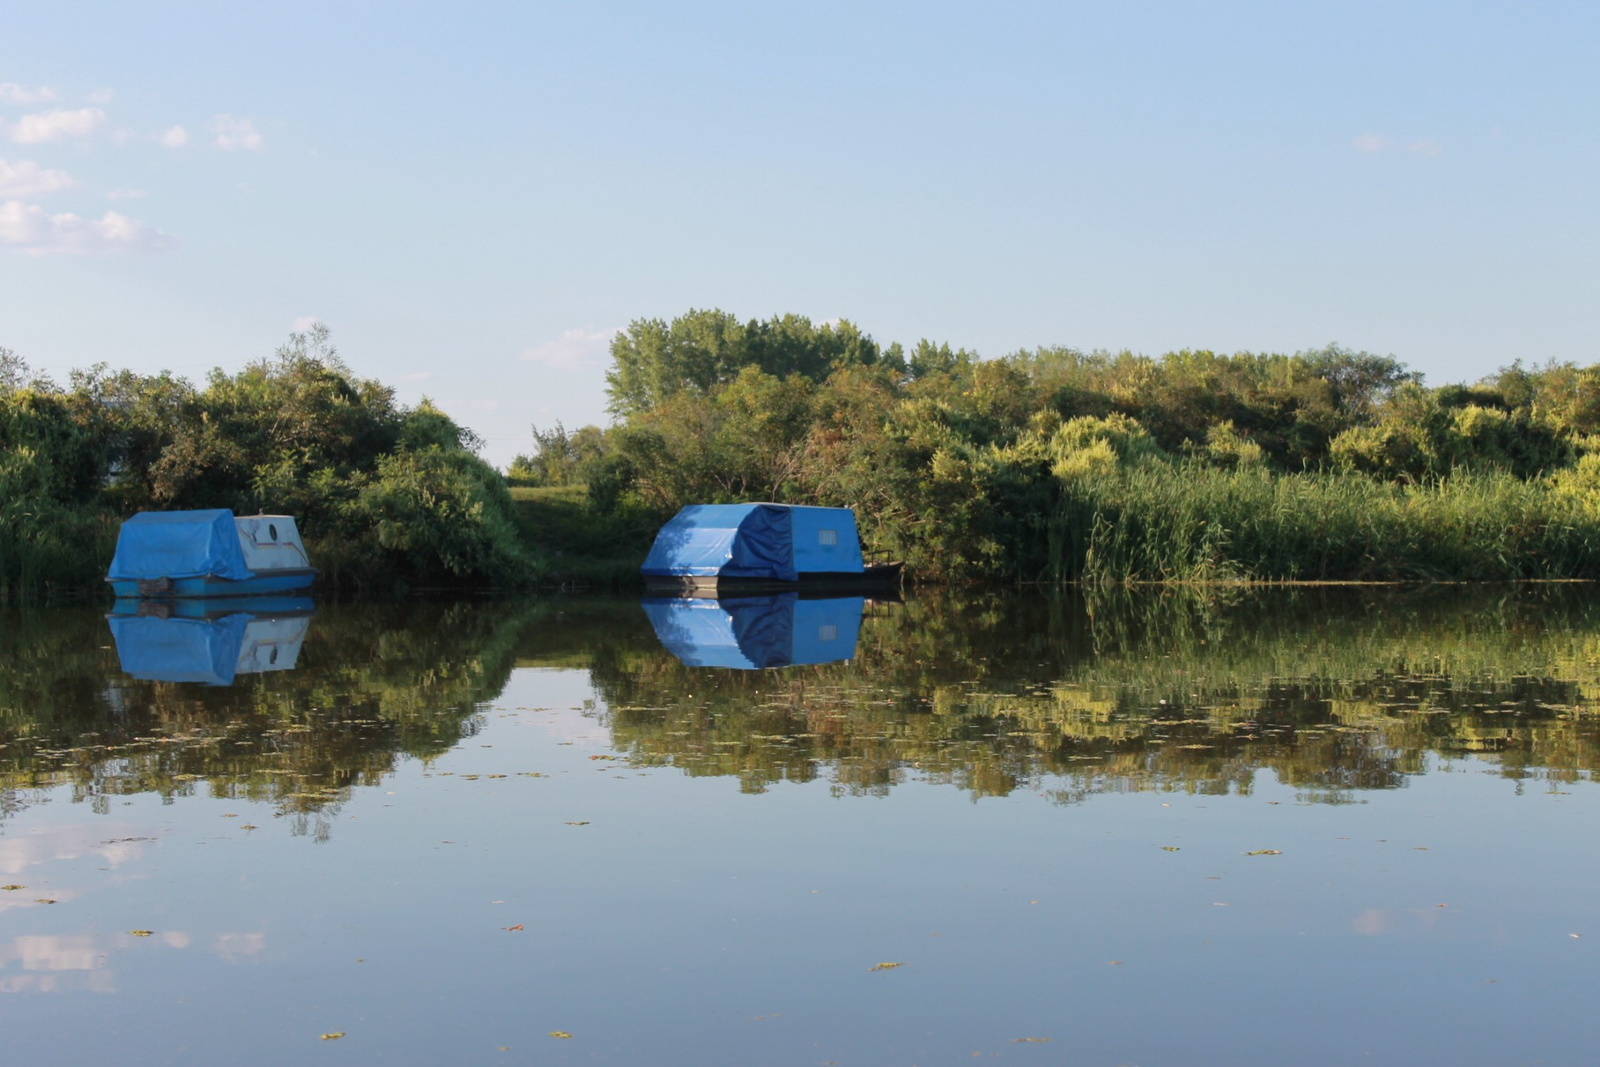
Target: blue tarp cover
[179,544]
[749,633]
[180,650]
[825,541]
[774,541]
[731,540]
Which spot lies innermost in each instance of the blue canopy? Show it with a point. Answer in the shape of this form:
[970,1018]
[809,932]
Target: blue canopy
[180,650]
[179,544]
[749,633]
[774,541]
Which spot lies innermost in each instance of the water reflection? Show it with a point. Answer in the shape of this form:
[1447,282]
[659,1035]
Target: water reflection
[751,633]
[372,684]
[1335,692]
[210,642]
[1331,691]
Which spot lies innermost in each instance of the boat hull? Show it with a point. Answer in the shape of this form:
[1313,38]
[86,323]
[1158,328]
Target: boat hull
[875,578]
[209,585]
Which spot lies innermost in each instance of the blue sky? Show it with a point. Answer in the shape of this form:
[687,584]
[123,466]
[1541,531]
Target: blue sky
[474,196]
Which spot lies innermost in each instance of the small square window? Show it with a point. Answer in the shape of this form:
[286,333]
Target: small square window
[827,537]
[827,632]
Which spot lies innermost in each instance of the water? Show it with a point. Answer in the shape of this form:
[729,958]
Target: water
[1285,827]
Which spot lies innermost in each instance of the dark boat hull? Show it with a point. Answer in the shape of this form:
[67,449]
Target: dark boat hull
[263,583]
[875,578]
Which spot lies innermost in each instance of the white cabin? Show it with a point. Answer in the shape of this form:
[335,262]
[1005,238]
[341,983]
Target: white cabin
[270,543]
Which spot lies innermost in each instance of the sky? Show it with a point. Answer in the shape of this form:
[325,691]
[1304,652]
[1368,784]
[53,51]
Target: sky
[475,197]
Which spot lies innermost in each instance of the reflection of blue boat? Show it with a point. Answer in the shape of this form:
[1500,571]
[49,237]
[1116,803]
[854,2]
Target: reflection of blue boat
[747,633]
[208,554]
[185,643]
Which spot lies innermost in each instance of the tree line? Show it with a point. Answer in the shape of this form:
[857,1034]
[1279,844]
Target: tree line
[1055,464]
[1050,464]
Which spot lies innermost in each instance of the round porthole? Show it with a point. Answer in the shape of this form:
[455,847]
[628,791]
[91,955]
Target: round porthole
[272,531]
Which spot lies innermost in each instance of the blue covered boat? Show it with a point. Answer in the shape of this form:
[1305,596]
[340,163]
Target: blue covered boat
[180,641]
[745,548]
[208,554]
[751,633]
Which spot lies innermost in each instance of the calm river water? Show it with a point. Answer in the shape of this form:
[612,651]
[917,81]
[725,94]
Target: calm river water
[1279,827]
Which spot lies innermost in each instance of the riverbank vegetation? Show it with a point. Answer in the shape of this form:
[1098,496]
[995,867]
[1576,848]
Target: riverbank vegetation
[386,495]
[1055,464]
[1046,465]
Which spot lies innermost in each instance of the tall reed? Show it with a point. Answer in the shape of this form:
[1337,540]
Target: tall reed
[1190,521]
[47,548]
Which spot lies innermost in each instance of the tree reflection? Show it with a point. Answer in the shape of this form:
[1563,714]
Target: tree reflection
[374,683]
[1334,692]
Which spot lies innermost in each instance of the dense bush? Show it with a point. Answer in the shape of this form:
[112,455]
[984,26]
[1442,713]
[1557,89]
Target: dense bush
[385,495]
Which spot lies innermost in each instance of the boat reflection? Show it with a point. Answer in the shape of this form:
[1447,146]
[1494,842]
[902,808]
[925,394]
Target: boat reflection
[209,641]
[753,633]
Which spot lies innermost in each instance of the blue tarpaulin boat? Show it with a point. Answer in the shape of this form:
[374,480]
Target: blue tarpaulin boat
[714,548]
[208,553]
[750,633]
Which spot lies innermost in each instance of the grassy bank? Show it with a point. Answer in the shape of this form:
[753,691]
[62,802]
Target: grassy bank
[581,546]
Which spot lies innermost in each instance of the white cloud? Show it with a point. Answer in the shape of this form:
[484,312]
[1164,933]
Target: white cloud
[25,178]
[574,348]
[126,194]
[102,96]
[176,137]
[1426,147]
[303,324]
[1369,143]
[12,93]
[27,228]
[55,125]
[235,133]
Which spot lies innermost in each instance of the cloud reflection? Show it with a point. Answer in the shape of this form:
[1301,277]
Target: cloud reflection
[63,963]
[115,844]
